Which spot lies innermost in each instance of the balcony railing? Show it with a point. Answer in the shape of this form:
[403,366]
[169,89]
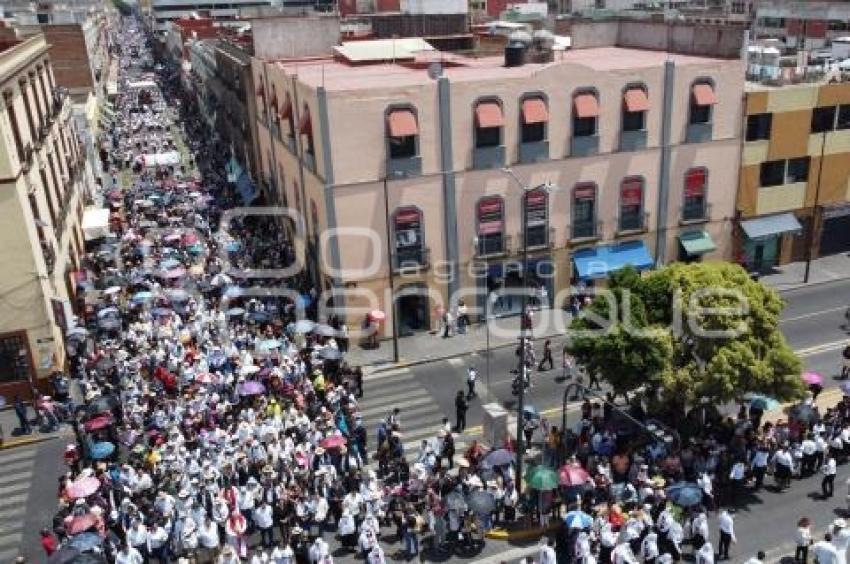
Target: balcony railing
[492,247]
[536,242]
[488,157]
[411,259]
[696,213]
[634,222]
[586,230]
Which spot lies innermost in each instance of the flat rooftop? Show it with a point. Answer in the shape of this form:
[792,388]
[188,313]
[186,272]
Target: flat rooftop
[341,76]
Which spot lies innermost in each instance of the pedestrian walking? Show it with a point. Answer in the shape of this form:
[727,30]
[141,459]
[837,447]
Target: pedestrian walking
[824,551]
[841,539]
[471,376]
[829,470]
[547,357]
[726,524]
[460,411]
[803,540]
[23,418]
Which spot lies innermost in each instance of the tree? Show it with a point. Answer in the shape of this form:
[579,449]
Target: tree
[701,331]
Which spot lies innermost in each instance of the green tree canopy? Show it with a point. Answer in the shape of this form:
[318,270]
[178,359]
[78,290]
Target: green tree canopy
[693,331]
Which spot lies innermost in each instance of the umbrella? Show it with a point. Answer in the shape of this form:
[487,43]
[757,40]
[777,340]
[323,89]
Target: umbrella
[168,264]
[269,344]
[81,523]
[764,403]
[303,301]
[112,290]
[86,541]
[174,273]
[542,478]
[140,297]
[531,412]
[578,520]
[330,353]
[178,295]
[107,311]
[235,312]
[221,280]
[195,248]
[481,502]
[324,330]
[102,450]
[83,487]
[804,412]
[455,501]
[498,457]
[304,326]
[334,441]
[572,475]
[66,555]
[99,422]
[251,388]
[812,378]
[377,315]
[101,404]
[259,316]
[161,311]
[686,494]
[190,238]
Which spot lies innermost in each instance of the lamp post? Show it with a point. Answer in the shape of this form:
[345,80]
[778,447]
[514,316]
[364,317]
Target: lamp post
[522,368]
[392,313]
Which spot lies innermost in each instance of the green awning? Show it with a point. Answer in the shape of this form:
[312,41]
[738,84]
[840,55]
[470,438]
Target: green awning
[697,242]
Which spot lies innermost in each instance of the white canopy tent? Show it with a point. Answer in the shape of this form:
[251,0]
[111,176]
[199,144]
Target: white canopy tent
[142,84]
[162,159]
[95,223]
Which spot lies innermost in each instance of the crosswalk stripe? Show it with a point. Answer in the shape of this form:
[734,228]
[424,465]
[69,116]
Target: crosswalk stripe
[21,485]
[407,415]
[16,466]
[11,540]
[16,477]
[391,373]
[14,500]
[388,388]
[17,454]
[402,405]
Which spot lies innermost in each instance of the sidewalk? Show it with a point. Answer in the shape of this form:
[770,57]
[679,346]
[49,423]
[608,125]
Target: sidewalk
[825,269]
[9,424]
[428,347]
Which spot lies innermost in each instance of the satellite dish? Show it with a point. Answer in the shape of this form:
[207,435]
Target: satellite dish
[435,70]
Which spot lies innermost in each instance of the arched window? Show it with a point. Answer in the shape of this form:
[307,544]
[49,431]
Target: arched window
[702,101]
[693,199]
[635,106]
[536,218]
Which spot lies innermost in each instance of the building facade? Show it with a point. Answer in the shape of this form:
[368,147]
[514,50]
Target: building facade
[794,193]
[634,144]
[802,25]
[41,167]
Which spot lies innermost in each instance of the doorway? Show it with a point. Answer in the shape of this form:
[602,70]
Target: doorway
[412,309]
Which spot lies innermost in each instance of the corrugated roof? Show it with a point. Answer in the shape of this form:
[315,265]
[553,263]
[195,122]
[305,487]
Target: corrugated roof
[382,49]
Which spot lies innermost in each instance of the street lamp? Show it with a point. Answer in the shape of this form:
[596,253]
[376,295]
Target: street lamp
[522,368]
[392,313]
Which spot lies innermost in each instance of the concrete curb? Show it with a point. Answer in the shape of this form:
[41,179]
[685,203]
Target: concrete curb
[790,286]
[24,441]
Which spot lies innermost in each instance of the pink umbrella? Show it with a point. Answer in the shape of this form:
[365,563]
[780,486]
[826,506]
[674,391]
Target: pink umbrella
[334,441]
[100,422]
[204,378]
[377,315]
[572,475]
[190,238]
[81,523]
[174,272]
[83,487]
[812,378]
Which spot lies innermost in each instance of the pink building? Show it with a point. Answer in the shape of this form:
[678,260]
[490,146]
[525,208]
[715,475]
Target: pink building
[640,149]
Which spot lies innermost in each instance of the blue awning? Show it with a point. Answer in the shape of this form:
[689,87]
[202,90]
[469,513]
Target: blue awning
[771,226]
[246,188]
[599,262]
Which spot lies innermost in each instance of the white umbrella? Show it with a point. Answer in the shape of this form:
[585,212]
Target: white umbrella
[112,290]
[249,370]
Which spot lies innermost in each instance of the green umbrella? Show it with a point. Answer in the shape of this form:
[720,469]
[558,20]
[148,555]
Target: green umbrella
[542,478]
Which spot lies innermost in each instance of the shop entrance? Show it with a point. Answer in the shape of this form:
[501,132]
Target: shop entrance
[505,283]
[835,238]
[412,308]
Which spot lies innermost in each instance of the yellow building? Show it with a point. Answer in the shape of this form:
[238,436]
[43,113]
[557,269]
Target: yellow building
[794,187]
[40,215]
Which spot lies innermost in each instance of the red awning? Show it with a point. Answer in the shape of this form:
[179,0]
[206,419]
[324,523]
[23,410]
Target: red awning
[534,111]
[488,114]
[636,100]
[286,110]
[402,123]
[305,126]
[586,106]
[704,95]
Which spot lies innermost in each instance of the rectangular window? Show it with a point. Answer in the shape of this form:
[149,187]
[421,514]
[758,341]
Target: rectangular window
[14,359]
[703,99]
[758,126]
[694,197]
[843,121]
[631,204]
[798,170]
[823,119]
[536,218]
[633,121]
[402,130]
[584,211]
[772,173]
[16,132]
[491,226]
[635,106]
[408,237]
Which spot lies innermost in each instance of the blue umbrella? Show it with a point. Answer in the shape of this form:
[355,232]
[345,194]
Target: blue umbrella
[86,541]
[233,292]
[499,457]
[169,263]
[178,295]
[161,311]
[578,520]
[765,403]
[686,494]
[140,297]
[233,246]
[101,450]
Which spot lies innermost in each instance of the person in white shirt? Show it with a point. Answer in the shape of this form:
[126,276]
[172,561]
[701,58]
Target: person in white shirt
[263,520]
[705,555]
[824,551]
[623,554]
[829,470]
[320,552]
[699,529]
[208,539]
[128,555]
[547,553]
[726,524]
[649,548]
[376,555]
[841,539]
